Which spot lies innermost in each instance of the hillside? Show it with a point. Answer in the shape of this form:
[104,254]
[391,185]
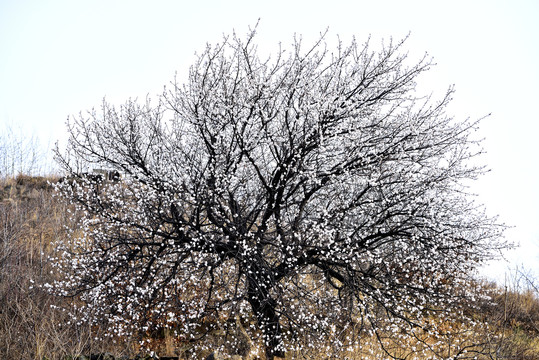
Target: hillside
[33,324]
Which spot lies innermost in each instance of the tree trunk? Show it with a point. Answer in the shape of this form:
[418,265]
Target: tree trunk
[268,320]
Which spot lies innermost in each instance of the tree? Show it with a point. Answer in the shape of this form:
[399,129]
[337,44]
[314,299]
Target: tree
[19,153]
[309,191]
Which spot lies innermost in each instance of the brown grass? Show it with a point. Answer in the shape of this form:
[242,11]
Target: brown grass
[33,326]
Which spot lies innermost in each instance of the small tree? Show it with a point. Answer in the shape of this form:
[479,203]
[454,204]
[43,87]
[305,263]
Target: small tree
[20,153]
[313,191]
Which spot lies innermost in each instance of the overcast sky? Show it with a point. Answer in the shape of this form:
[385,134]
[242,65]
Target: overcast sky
[61,57]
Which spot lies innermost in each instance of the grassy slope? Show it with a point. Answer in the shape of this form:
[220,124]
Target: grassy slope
[31,218]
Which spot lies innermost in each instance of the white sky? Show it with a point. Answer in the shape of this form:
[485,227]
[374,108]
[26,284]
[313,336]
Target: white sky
[61,57]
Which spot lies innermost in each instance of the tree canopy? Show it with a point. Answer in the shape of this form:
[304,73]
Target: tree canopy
[305,193]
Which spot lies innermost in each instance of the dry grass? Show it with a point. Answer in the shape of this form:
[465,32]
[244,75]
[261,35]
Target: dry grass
[33,326]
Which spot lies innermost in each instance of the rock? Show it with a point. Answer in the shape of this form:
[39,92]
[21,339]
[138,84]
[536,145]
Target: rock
[215,356]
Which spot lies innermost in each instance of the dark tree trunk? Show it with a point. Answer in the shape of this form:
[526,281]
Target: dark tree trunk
[268,320]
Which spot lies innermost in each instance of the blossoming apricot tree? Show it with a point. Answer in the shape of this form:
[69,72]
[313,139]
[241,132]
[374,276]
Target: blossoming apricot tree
[305,192]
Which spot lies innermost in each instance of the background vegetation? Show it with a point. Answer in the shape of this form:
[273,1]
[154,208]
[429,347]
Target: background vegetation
[35,324]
